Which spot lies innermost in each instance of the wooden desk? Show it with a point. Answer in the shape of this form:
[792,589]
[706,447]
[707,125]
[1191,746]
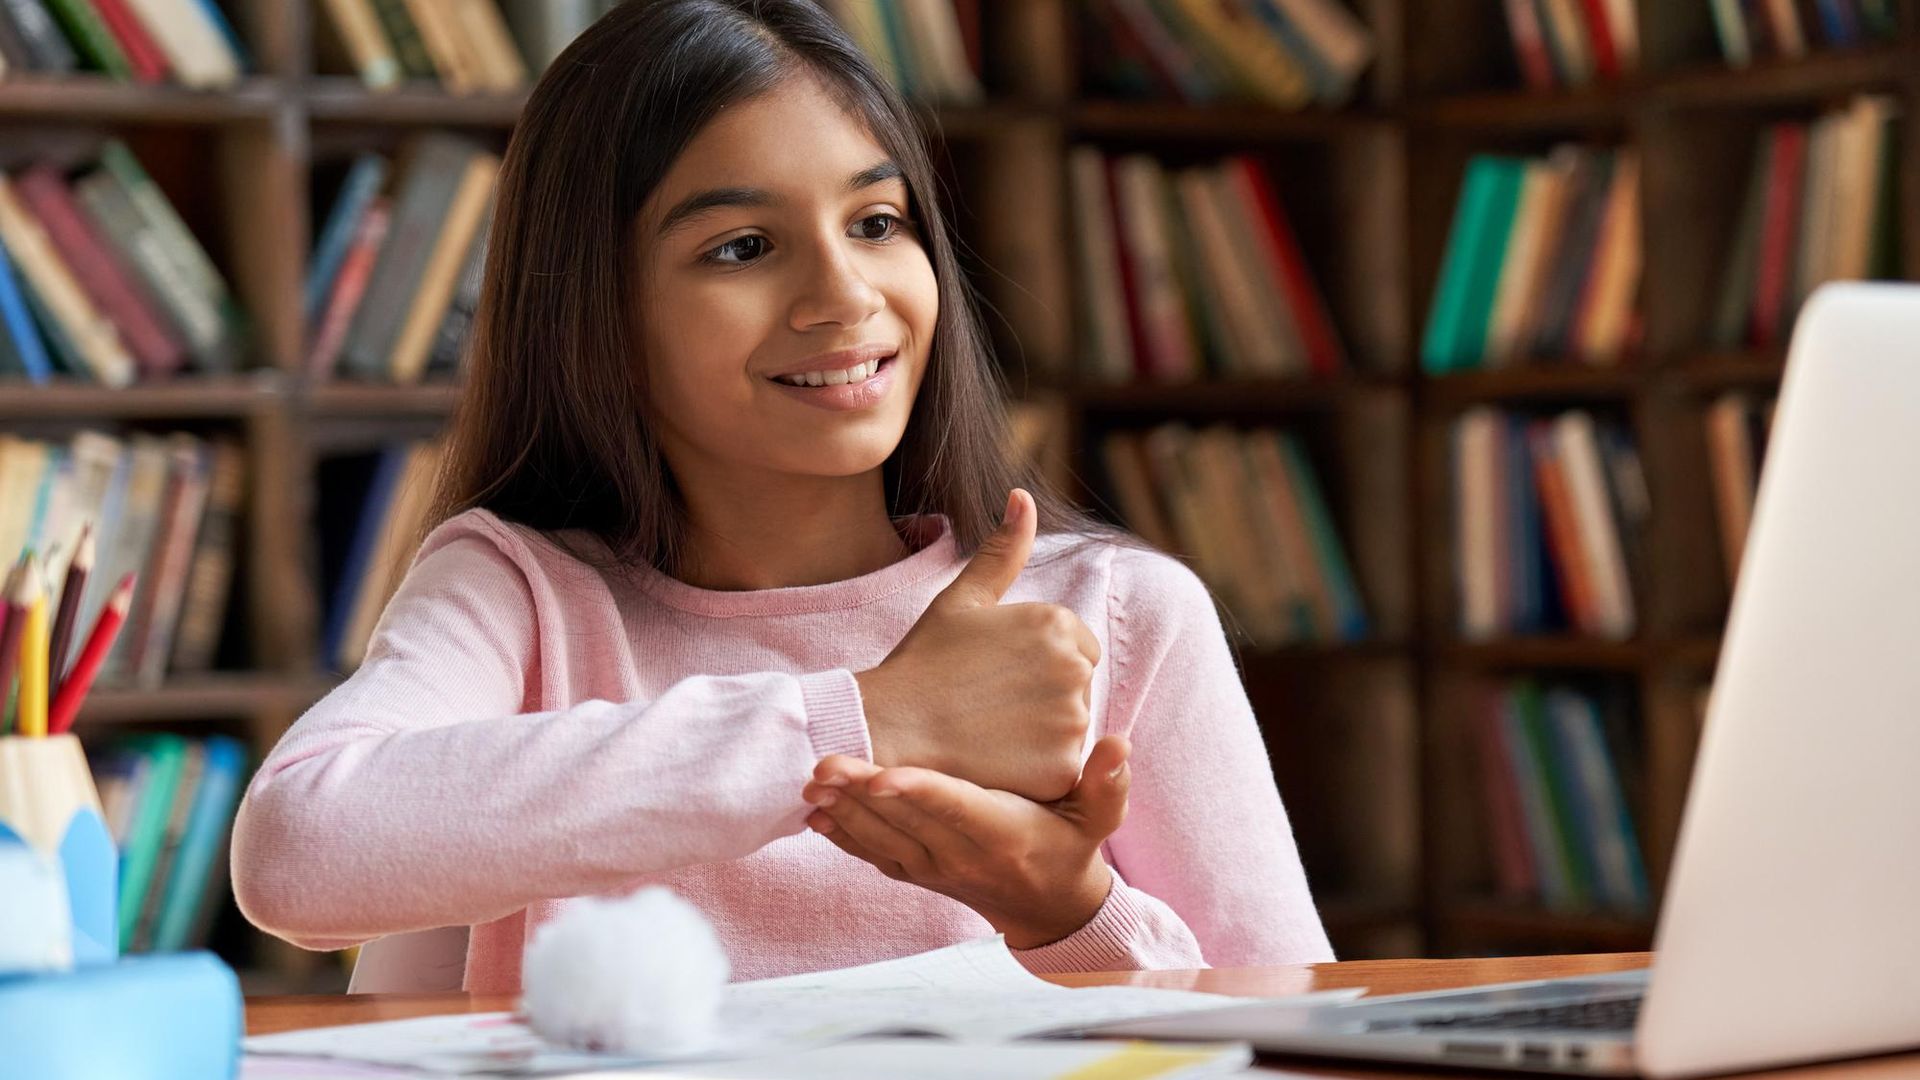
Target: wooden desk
[271,1014]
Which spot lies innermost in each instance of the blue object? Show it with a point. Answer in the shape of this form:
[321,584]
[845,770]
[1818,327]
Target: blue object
[373,514]
[207,823]
[16,321]
[92,868]
[173,1016]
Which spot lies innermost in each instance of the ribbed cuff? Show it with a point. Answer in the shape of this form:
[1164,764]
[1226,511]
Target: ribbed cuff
[836,720]
[1104,944]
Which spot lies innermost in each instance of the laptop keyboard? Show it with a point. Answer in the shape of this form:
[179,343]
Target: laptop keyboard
[1609,1015]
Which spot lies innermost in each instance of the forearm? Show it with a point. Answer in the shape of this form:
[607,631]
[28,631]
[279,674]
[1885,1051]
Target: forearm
[353,829]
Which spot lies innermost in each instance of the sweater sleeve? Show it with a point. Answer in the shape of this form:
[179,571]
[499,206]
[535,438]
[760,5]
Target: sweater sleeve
[419,793]
[1212,876]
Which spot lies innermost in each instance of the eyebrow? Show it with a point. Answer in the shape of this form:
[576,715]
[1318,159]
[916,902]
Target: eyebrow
[714,198]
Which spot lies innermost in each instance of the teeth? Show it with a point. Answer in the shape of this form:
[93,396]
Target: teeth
[854,374]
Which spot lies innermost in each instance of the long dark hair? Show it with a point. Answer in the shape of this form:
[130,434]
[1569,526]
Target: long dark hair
[553,431]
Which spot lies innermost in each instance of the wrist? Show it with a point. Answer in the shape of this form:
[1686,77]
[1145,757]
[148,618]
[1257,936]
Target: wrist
[891,730]
[1073,908]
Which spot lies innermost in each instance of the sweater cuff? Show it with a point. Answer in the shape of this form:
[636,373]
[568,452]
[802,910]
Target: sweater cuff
[836,720]
[1106,943]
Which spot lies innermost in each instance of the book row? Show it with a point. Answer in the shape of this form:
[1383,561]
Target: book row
[464,46]
[189,42]
[1285,53]
[1248,508]
[395,272]
[169,802]
[101,280]
[1550,517]
[164,508]
[1563,43]
[1752,30]
[929,49]
[1192,272]
[1556,776]
[373,515]
[1543,263]
[1821,205]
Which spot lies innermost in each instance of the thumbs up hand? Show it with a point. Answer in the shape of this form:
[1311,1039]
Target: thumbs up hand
[996,694]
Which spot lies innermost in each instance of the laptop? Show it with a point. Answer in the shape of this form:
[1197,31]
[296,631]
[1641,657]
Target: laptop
[1790,928]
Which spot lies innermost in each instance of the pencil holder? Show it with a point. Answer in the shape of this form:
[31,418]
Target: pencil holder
[48,803]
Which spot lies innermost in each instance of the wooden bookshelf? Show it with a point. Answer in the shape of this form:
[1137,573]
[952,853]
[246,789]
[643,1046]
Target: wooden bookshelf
[1366,738]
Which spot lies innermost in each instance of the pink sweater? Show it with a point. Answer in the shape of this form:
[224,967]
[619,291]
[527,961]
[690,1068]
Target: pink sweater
[527,728]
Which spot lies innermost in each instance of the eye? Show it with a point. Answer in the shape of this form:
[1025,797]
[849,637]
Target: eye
[879,228]
[738,251]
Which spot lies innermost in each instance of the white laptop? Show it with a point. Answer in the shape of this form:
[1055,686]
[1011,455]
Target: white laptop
[1790,930]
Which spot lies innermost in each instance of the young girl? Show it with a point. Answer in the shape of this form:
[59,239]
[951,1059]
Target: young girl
[738,588]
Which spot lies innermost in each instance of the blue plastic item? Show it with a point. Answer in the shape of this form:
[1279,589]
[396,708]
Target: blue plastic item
[164,1016]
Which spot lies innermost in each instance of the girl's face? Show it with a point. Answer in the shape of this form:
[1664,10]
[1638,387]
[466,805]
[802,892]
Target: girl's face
[777,250]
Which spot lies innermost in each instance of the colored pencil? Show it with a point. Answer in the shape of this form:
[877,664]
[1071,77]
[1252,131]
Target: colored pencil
[76,582]
[10,634]
[73,689]
[31,710]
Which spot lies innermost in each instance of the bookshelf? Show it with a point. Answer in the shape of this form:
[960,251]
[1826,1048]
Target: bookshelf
[1367,737]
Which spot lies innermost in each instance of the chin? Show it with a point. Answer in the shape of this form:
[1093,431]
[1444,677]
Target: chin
[850,459]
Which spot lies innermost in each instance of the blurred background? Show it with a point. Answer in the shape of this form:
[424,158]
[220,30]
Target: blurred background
[1439,336]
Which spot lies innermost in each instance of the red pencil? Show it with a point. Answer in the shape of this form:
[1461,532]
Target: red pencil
[69,611]
[73,689]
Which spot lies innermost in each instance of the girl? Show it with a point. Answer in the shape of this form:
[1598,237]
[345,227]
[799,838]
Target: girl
[723,595]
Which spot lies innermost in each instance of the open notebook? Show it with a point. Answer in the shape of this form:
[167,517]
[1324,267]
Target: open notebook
[973,992]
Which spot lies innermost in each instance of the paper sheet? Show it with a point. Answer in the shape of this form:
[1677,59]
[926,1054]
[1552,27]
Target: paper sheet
[923,1059]
[974,991]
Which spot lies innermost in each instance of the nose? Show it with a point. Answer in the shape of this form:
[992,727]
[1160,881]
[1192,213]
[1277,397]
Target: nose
[833,290]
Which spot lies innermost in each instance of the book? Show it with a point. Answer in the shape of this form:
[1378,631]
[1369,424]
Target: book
[155,345]
[47,46]
[91,39]
[441,273]
[77,325]
[398,535]
[428,181]
[1455,336]
[188,887]
[145,62]
[450,342]
[1107,344]
[16,325]
[359,27]
[364,179]
[192,315]
[349,289]
[189,258]
[203,605]
[403,38]
[140,849]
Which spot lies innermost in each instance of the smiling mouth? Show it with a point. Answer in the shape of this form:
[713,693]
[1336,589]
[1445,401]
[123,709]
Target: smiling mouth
[858,373]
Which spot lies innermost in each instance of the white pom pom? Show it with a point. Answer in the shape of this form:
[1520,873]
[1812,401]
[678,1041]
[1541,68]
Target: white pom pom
[641,974]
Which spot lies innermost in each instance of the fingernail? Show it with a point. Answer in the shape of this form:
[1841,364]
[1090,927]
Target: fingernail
[827,798]
[1117,770]
[1013,508]
[883,793]
[836,780]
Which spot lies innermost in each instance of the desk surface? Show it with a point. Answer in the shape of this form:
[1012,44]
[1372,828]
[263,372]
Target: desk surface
[271,1014]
